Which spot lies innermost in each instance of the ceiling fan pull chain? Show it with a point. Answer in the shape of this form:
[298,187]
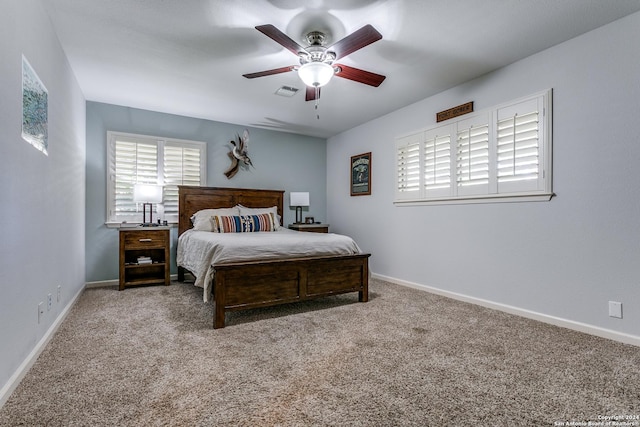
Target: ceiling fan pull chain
[317,101]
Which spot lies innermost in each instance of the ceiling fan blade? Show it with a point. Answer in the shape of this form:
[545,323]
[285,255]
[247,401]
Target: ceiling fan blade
[360,76]
[280,38]
[270,72]
[311,93]
[354,41]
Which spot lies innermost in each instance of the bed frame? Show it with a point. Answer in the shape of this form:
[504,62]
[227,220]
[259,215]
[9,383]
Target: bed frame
[261,283]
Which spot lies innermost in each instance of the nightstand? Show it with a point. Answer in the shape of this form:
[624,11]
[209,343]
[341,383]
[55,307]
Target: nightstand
[144,256]
[311,228]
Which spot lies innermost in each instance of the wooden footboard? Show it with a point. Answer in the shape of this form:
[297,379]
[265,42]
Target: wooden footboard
[240,286]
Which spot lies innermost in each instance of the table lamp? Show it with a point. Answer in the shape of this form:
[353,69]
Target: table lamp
[299,200]
[147,194]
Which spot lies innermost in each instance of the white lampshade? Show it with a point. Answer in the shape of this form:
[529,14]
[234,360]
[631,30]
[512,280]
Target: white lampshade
[147,193]
[315,74]
[299,199]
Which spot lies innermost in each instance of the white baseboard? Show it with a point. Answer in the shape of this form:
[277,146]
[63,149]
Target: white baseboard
[24,367]
[557,321]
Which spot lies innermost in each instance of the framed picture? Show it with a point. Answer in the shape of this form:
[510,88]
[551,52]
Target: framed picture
[361,174]
[34,108]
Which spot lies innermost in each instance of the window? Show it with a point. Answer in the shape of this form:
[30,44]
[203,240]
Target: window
[138,159]
[502,154]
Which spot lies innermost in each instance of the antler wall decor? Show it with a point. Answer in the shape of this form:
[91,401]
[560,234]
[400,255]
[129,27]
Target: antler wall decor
[238,154]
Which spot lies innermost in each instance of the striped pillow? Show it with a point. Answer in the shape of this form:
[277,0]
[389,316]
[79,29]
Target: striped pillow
[244,223]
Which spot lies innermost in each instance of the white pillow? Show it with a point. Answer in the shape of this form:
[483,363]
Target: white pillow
[203,220]
[257,211]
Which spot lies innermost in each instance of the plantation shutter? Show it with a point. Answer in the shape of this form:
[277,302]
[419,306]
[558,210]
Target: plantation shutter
[437,161]
[408,166]
[472,156]
[134,162]
[181,167]
[518,147]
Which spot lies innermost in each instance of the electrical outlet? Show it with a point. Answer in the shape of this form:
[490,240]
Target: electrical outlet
[40,311]
[615,309]
[49,300]
[59,293]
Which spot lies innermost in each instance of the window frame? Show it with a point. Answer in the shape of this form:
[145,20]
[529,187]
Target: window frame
[160,142]
[494,190]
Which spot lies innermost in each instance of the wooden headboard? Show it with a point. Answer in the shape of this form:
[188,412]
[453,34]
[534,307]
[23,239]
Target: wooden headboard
[192,199]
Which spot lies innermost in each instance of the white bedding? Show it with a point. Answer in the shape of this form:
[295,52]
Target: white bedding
[198,251]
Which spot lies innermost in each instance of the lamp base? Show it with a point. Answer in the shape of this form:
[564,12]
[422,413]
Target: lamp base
[144,214]
[298,214]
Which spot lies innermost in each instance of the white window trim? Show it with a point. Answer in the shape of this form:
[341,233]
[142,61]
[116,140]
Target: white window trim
[545,193]
[160,141]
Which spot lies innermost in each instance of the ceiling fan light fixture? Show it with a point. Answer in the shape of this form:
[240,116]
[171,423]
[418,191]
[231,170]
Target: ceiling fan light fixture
[316,74]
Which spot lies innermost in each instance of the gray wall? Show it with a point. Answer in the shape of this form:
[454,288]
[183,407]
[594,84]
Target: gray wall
[42,197]
[282,161]
[565,258]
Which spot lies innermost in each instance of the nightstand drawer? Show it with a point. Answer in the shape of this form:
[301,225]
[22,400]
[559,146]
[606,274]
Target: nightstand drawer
[144,239]
[310,228]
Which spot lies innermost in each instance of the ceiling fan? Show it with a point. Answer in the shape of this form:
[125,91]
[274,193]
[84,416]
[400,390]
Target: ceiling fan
[317,65]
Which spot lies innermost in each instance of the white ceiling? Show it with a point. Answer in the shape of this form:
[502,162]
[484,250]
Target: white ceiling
[187,57]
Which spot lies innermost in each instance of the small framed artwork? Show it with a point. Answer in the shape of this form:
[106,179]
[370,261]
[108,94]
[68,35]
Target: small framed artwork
[34,108]
[309,220]
[361,174]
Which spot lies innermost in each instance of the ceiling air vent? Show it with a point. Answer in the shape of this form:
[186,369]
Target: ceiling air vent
[287,91]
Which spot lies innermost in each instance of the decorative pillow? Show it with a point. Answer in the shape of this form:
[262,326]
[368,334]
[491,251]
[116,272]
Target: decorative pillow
[244,223]
[257,211]
[203,220]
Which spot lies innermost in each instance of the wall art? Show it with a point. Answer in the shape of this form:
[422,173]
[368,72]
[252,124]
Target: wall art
[238,154]
[35,104]
[361,174]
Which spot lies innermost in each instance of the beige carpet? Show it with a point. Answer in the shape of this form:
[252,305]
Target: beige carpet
[149,357]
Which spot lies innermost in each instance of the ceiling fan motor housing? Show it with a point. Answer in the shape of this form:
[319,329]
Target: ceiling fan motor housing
[316,51]
[316,38]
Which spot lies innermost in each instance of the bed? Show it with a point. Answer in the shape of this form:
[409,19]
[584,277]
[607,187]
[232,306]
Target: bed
[252,283]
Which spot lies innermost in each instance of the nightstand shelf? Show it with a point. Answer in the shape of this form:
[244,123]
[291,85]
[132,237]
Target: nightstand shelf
[138,245]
